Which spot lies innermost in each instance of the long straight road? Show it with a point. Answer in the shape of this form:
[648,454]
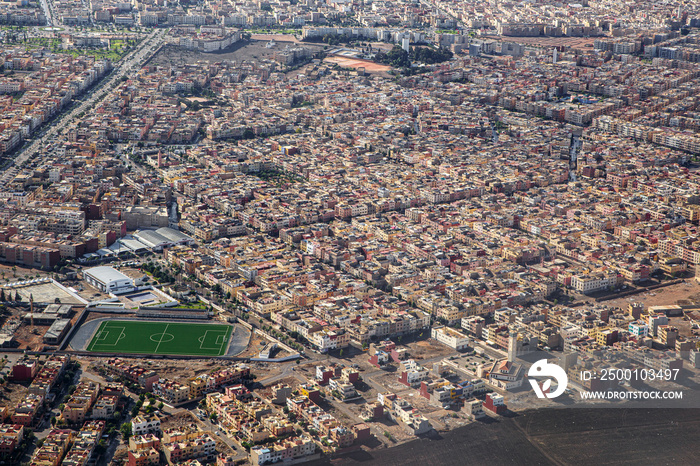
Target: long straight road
[147,48]
[48,12]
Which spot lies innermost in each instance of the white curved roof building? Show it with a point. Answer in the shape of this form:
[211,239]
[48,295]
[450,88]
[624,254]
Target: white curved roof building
[108,280]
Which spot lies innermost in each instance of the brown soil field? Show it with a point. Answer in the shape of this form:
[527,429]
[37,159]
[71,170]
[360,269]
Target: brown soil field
[552,436]
[661,296]
[369,66]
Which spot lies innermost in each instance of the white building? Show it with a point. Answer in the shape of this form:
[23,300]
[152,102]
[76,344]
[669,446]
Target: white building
[141,425]
[570,331]
[412,373]
[506,375]
[346,390]
[450,337]
[108,280]
[594,282]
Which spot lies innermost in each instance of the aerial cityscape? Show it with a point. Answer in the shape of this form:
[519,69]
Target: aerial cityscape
[349,232]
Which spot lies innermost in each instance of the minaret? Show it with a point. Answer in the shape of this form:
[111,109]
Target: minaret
[512,346]
[31,311]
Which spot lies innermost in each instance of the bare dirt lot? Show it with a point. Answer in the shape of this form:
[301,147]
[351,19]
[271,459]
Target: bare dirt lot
[245,50]
[293,382]
[179,420]
[31,338]
[354,63]
[418,350]
[553,436]
[14,273]
[689,290]
[256,344]
[428,349]
[12,392]
[390,381]
[173,370]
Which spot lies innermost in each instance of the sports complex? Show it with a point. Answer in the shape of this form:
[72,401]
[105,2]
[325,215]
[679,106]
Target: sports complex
[176,338]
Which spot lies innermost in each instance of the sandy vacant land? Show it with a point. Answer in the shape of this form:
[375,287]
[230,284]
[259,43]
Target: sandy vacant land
[369,66]
[662,296]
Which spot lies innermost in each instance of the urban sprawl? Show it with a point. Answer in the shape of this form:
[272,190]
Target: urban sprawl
[282,231]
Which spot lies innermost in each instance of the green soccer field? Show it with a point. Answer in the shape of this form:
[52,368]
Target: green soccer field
[176,338]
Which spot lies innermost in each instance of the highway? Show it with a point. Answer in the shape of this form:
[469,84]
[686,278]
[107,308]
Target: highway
[134,60]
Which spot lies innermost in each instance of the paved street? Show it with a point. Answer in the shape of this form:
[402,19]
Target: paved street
[286,372]
[148,46]
[47,8]
[240,452]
